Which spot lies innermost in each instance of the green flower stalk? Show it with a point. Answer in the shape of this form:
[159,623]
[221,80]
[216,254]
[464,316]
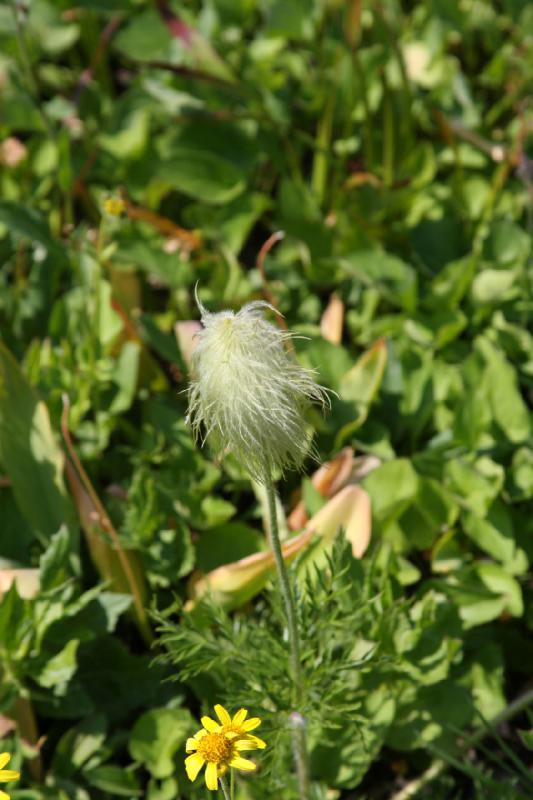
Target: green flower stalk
[250,396]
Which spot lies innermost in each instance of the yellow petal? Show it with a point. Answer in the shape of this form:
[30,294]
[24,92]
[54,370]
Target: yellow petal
[223,715]
[210,725]
[193,765]
[4,796]
[200,735]
[242,763]
[245,744]
[240,716]
[251,724]
[257,742]
[211,776]
[8,775]
[4,759]
[191,744]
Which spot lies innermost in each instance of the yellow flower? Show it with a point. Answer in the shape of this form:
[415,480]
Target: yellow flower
[219,746]
[6,774]
[239,725]
[114,206]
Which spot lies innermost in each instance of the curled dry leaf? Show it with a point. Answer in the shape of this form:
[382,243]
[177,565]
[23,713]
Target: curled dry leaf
[27,581]
[328,479]
[234,584]
[185,332]
[332,320]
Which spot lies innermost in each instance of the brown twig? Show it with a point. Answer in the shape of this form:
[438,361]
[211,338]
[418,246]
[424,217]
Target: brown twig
[167,227]
[260,264]
[188,72]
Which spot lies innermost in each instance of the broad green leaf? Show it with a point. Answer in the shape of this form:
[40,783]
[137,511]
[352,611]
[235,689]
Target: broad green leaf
[495,535]
[498,580]
[157,735]
[345,761]
[486,678]
[23,221]
[214,511]
[57,562]
[144,38]
[522,473]
[359,387]
[433,510]
[30,453]
[483,592]
[290,20]
[110,323]
[125,377]
[493,286]
[59,670]
[477,482]
[392,487]
[453,281]
[80,743]
[201,174]
[508,408]
[507,243]
[131,140]
[432,714]
[330,361]
[114,780]
[14,622]
[395,279]
[225,543]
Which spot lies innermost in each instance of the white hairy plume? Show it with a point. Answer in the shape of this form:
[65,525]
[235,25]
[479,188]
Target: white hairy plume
[249,393]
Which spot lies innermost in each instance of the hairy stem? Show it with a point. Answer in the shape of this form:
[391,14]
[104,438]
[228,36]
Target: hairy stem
[225,790]
[298,731]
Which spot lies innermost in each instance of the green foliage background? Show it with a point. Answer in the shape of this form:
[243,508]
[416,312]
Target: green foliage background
[390,143]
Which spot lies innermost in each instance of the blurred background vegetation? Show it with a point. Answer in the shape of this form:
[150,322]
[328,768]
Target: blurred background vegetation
[145,146]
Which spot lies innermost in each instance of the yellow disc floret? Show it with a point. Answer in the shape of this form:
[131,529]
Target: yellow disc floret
[215,747]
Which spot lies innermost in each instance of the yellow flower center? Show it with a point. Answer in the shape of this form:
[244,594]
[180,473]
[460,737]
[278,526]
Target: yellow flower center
[114,206]
[215,748]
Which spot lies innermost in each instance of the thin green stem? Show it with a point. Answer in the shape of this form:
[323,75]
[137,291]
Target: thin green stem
[232,784]
[225,790]
[32,85]
[286,593]
[298,730]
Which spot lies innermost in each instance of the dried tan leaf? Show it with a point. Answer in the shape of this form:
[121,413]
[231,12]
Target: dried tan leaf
[185,331]
[328,479]
[332,320]
[27,581]
[234,584]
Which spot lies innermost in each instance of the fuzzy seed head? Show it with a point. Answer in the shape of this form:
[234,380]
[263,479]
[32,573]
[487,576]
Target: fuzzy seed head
[249,393]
